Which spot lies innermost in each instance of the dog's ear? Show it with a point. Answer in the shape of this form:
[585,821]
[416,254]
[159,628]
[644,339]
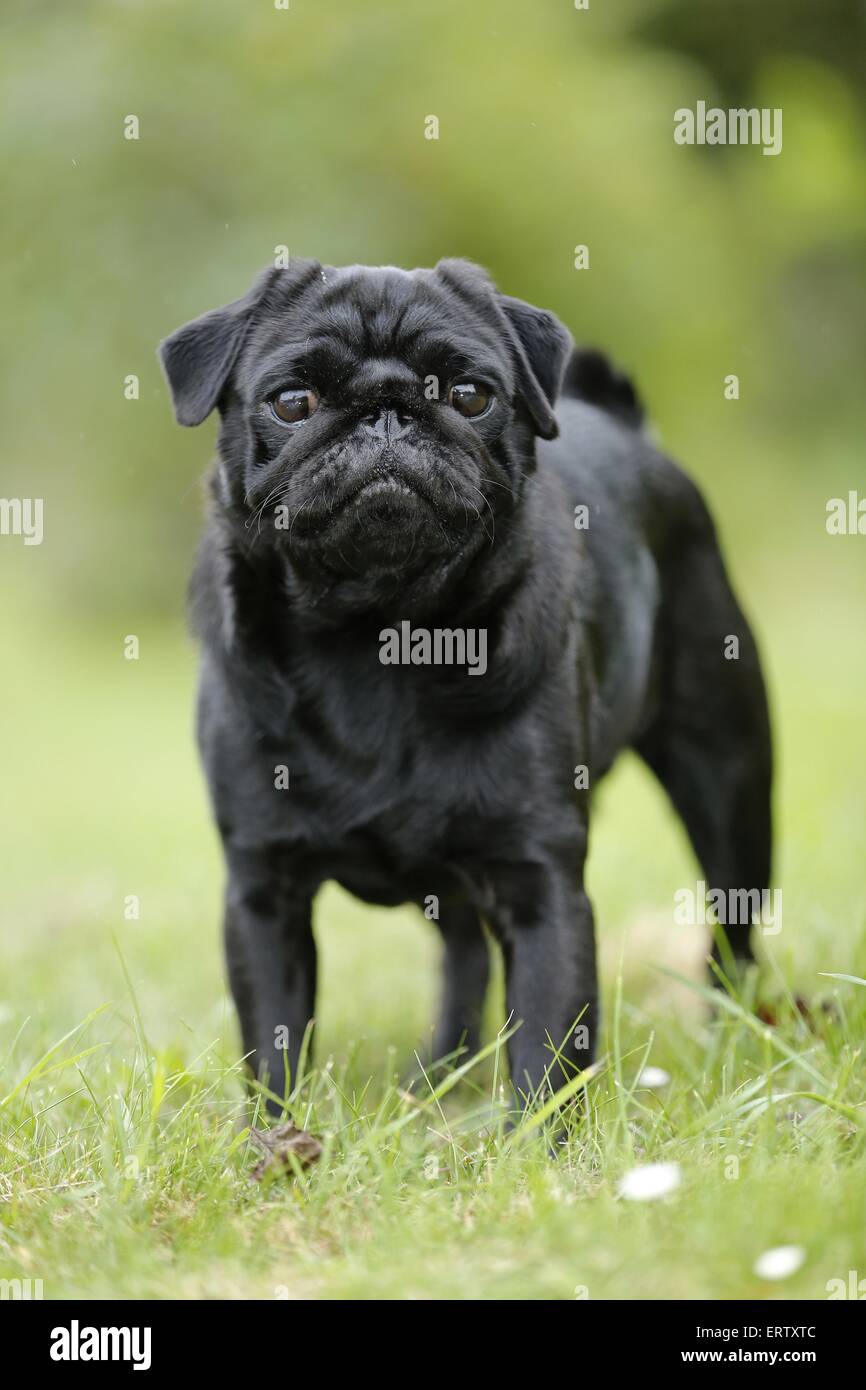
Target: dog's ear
[198,358]
[541,346]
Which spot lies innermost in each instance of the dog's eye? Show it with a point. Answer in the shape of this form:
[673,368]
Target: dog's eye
[470,400]
[293,407]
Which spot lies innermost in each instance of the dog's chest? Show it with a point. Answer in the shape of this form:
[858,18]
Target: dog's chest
[392,773]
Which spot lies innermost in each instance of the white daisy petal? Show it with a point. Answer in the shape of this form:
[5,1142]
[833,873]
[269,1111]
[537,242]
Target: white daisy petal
[649,1181]
[780,1262]
[653,1078]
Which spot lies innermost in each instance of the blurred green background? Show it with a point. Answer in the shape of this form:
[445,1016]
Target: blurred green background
[261,127]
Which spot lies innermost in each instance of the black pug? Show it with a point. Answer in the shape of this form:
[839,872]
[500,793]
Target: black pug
[380,473]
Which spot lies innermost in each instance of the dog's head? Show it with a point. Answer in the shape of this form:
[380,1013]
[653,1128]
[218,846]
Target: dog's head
[377,424]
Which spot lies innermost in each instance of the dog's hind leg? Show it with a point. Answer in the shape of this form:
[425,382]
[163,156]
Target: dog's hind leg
[465,975]
[709,744]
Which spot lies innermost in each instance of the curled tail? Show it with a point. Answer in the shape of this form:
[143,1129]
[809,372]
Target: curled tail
[592,377]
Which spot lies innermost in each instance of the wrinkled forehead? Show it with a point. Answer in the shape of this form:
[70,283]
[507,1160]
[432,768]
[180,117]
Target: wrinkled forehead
[344,316]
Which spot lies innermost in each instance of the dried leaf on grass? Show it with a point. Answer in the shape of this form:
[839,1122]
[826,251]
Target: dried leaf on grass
[282,1144]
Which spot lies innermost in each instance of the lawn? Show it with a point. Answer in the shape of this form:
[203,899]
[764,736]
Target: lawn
[125,1158]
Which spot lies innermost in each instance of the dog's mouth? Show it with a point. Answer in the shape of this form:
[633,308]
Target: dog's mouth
[377,504]
[383,524]
[396,513]
[385,488]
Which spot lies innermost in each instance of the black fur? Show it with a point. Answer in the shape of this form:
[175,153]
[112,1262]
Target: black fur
[592,378]
[407,781]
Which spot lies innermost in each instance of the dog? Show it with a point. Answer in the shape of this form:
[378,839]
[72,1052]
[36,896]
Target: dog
[415,452]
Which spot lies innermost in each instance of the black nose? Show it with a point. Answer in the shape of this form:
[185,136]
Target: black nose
[387,423]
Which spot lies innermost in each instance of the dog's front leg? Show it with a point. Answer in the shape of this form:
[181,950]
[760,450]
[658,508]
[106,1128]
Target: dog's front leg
[544,921]
[271,957]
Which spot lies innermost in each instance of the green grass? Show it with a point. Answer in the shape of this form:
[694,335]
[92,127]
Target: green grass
[124,1153]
